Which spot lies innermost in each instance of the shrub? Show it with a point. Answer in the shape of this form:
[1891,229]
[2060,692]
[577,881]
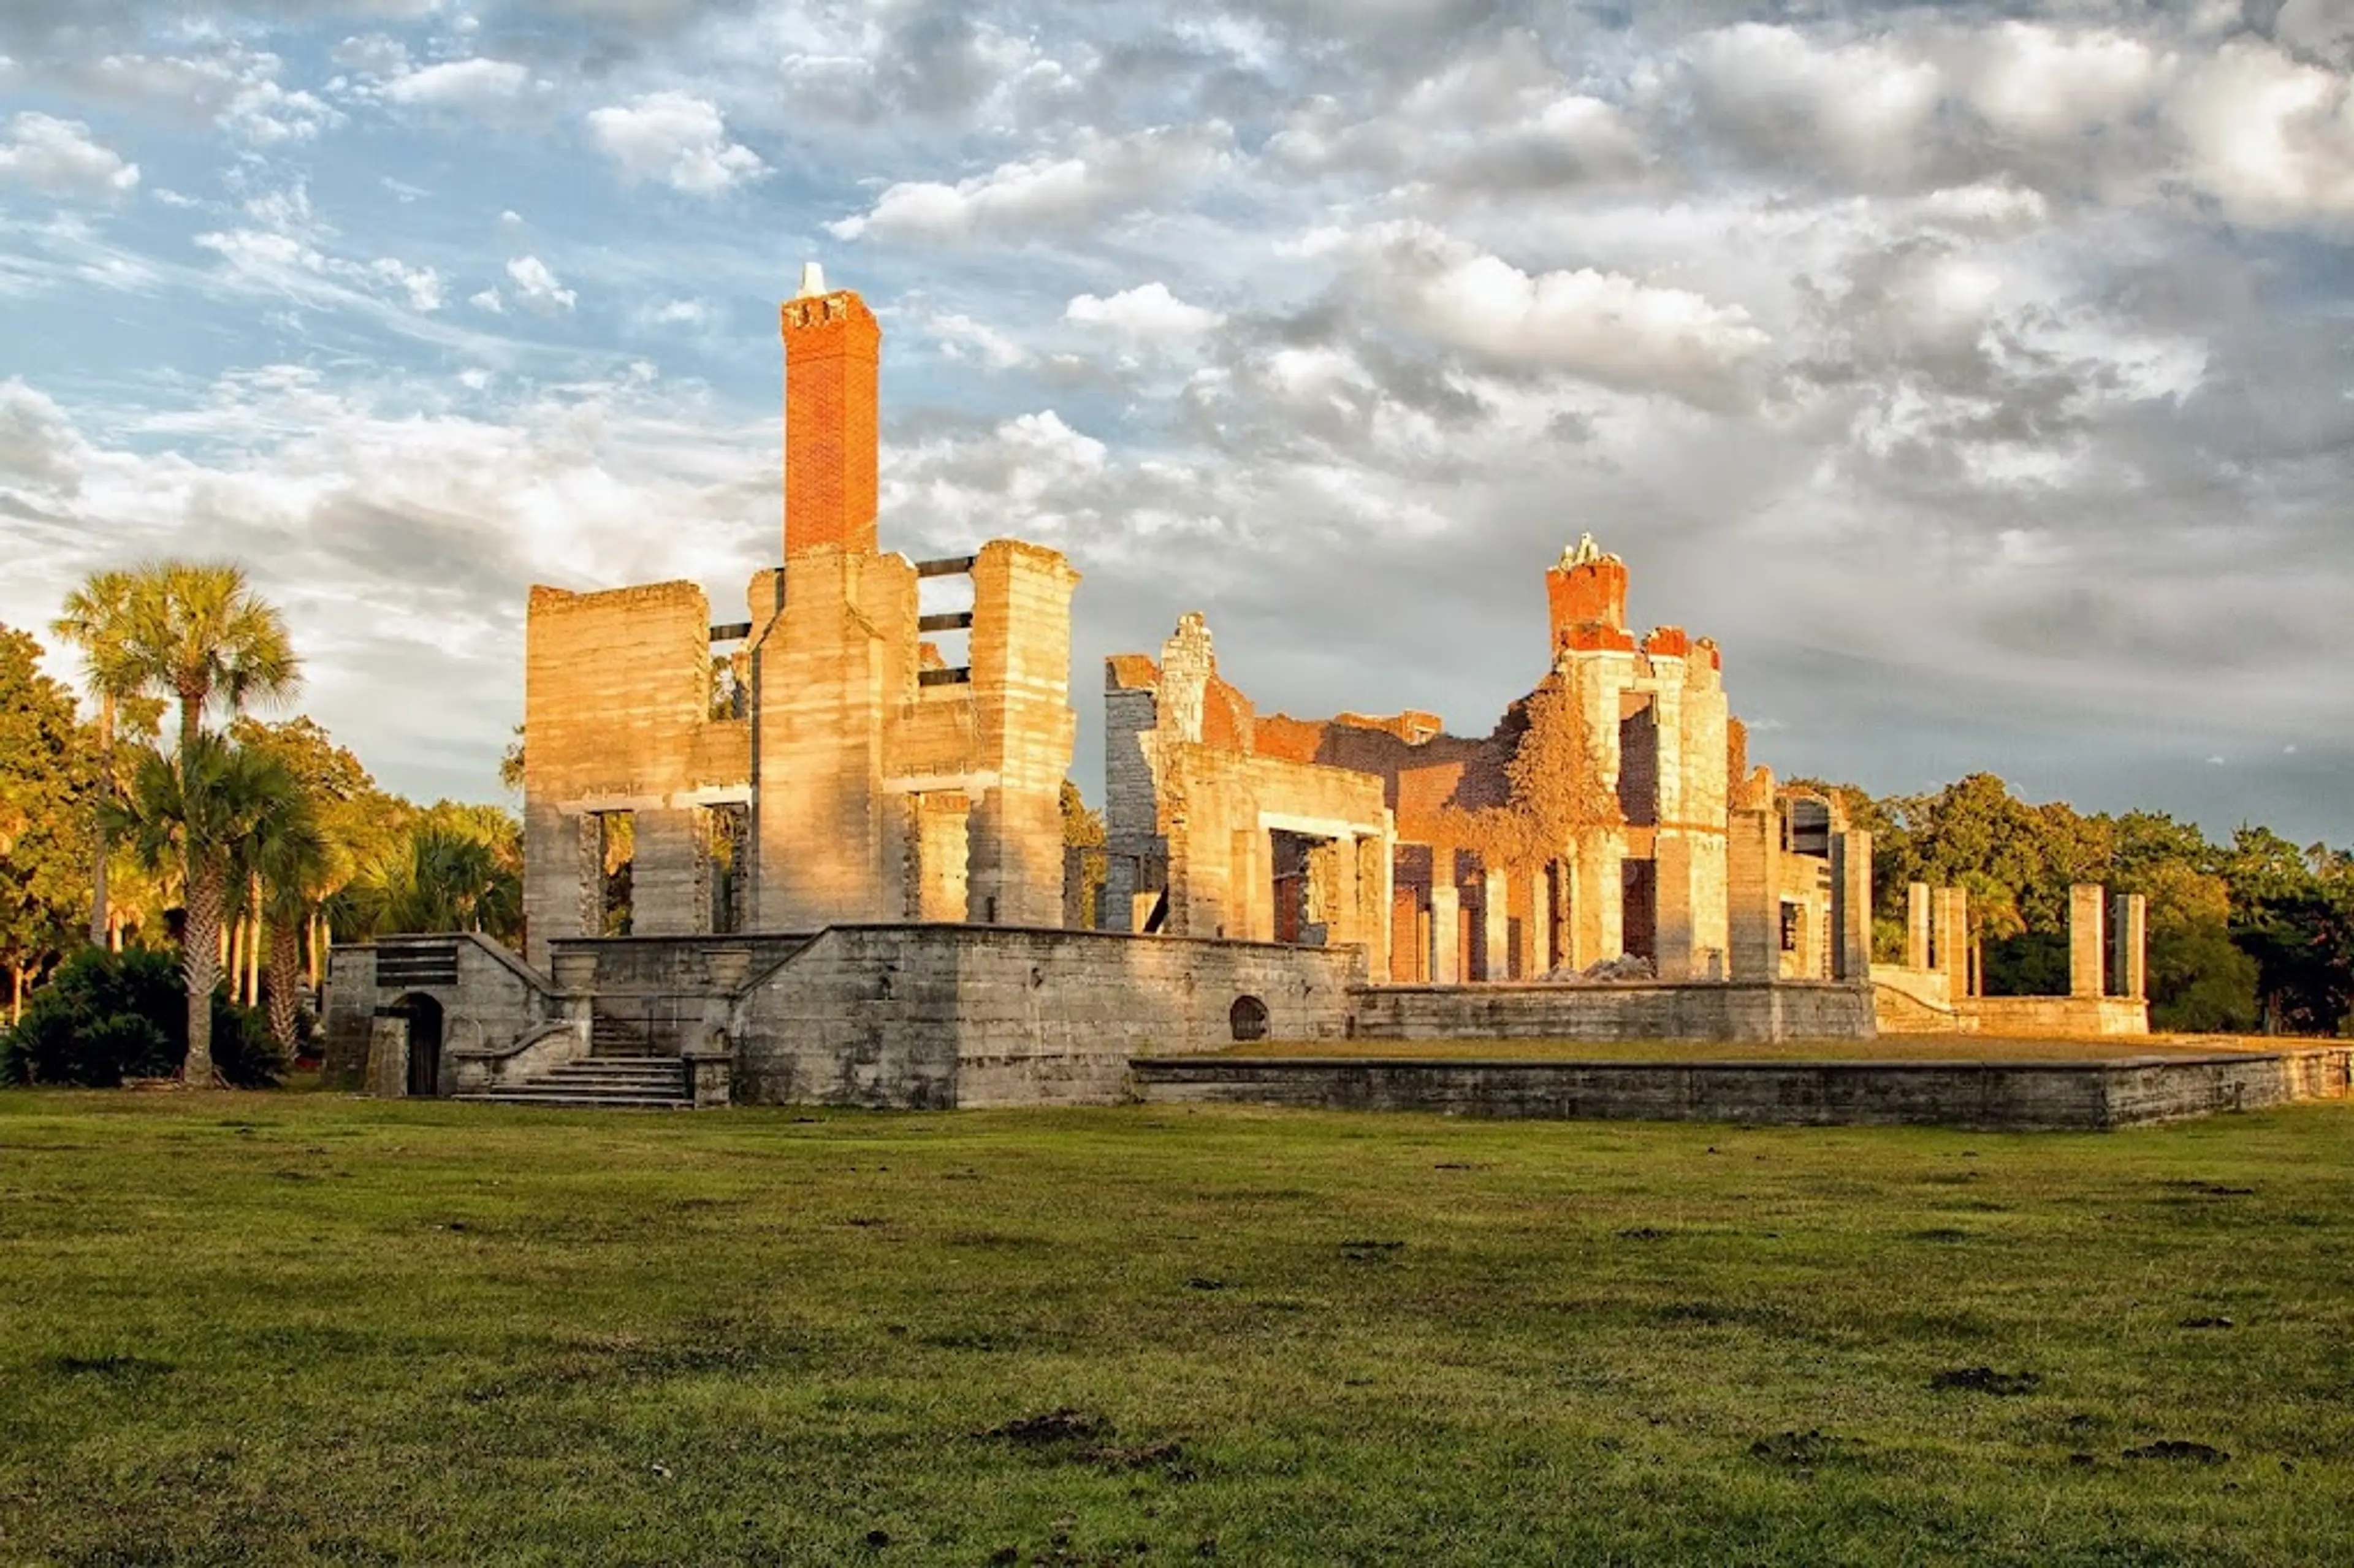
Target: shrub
[105,1017]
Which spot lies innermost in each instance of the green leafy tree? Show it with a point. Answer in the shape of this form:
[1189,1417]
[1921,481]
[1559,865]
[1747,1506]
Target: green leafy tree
[48,782]
[1083,830]
[2293,912]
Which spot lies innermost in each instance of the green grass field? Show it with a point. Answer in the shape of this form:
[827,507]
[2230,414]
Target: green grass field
[297,1327]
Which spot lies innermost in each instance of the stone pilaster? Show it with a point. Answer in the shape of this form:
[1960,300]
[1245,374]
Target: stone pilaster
[2085,939]
[2129,946]
[1850,957]
[1753,894]
[1495,901]
[1446,925]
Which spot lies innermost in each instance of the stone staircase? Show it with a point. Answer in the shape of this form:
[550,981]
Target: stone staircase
[599,1082]
[613,1035]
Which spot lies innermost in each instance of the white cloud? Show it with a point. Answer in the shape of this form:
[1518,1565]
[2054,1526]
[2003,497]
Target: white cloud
[1148,311]
[537,287]
[1990,207]
[290,260]
[421,284]
[1105,175]
[963,338]
[57,157]
[398,536]
[2041,84]
[1497,117]
[2271,138]
[372,54]
[2320,27]
[477,85]
[1601,325]
[265,114]
[677,139]
[40,450]
[488,299]
[1862,108]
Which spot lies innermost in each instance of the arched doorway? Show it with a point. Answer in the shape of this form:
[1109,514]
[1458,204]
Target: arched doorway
[1246,1020]
[424,1016]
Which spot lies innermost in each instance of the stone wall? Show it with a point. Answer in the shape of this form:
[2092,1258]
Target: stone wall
[1763,1011]
[617,717]
[2028,1017]
[939,1016]
[494,998]
[2006,1095]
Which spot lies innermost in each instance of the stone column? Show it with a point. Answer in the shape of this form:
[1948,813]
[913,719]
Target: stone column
[1539,934]
[1495,901]
[1916,926]
[1672,955]
[1852,906]
[1950,933]
[1446,922]
[1752,878]
[1115,906]
[2129,944]
[1598,898]
[1373,905]
[2084,944]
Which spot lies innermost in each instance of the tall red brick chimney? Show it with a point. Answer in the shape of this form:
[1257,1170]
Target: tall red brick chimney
[832,418]
[1587,591]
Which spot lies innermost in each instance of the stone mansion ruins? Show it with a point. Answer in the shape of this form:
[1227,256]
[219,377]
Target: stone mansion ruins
[816,852]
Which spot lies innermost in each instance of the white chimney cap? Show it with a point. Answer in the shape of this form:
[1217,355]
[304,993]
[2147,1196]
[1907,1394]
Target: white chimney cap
[812,281]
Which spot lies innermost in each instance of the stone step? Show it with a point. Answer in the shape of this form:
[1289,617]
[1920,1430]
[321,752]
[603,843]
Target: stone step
[606,1086]
[673,1085]
[565,1099]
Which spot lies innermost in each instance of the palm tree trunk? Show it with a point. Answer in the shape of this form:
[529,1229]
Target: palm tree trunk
[285,972]
[200,967]
[99,928]
[192,713]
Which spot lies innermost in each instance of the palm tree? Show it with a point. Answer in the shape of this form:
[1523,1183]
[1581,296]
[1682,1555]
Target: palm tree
[182,630]
[198,632]
[440,877]
[203,808]
[95,616]
[289,853]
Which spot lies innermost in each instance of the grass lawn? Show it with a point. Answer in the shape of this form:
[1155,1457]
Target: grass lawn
[298,1328]
[1885,1048]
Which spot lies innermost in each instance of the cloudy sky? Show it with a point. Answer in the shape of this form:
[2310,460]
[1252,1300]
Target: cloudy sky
[1981,378]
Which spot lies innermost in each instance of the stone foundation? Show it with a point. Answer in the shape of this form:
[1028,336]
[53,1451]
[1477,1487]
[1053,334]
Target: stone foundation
[2086,1097]
[1761,1011]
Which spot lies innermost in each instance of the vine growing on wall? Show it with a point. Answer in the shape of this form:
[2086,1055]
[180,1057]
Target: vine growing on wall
[1554,788]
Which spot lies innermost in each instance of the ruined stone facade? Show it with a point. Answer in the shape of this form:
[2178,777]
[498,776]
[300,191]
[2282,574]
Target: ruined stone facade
[1598,821]
[818,761]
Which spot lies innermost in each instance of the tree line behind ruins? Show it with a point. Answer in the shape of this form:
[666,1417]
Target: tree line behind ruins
[247,848]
